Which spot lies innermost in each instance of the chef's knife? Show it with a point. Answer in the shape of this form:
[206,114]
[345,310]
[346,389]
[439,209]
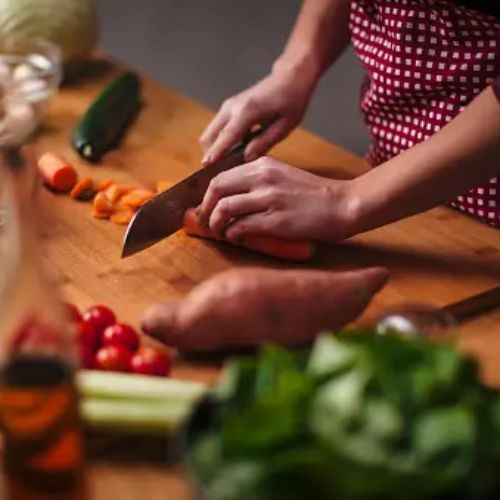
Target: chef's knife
[164,214]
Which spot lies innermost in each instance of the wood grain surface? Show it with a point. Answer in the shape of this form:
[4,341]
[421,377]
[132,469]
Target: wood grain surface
[437,257]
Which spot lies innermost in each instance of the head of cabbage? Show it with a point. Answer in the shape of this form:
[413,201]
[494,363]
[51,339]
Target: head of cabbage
[70,24]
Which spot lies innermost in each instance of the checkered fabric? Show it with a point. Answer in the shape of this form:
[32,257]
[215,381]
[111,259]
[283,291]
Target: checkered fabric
[425,60]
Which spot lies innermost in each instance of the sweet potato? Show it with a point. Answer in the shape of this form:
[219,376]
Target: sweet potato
[296,250]
[248,307]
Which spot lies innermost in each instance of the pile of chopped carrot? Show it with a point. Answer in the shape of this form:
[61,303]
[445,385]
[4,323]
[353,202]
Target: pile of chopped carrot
[110,200]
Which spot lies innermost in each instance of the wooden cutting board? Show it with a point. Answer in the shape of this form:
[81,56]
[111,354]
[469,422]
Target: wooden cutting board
[437,257]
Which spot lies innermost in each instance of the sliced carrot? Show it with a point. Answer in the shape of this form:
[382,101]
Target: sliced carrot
[192,225]
[137,197]
[115,192]
[123,216]
[103,185]
[163,186]
[83,189]
[296,250]
[56,172]
[102,207]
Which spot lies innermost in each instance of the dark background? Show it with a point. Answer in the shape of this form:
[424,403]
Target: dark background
[211,49]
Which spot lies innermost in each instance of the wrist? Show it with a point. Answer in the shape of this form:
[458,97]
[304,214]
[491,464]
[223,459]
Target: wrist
[297,68]
[353,209]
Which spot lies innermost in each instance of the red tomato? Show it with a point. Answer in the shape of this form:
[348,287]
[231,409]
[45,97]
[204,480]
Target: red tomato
[151,361]
[87,335]
[87,357]
[113,358]
[100,317]
[121,334]
[72,313]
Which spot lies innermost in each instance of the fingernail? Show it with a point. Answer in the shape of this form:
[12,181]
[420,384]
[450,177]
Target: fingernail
[252,157]
[207,158]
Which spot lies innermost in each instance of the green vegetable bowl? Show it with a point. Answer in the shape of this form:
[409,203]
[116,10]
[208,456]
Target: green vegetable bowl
[362,416]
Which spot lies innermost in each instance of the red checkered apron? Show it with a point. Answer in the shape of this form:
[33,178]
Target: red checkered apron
[425,60]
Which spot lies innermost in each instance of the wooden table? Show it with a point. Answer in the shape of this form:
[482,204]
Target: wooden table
[437,257]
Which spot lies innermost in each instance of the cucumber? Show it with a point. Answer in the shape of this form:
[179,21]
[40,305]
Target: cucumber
[105,122]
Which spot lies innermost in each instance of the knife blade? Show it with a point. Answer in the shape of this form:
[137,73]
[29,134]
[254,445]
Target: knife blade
[164,214]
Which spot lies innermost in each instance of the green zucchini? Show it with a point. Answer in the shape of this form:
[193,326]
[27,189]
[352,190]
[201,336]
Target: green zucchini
[105,122]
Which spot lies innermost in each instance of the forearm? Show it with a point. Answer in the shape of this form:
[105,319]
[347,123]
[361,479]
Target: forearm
[320,35]
[463,155]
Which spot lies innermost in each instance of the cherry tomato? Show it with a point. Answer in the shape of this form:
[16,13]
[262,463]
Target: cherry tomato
[87,335]
[72,313]
[87,357]
[100,317]
[121,334]
[113,358]
[151,361]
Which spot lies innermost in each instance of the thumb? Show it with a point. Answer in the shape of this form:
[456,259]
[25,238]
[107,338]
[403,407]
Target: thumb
[265,141]
[160,320]
[371,281]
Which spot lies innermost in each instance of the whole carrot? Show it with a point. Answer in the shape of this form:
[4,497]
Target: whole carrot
[296,250]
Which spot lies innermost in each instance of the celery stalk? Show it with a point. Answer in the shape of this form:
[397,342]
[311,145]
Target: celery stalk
[125,386]
[121,416]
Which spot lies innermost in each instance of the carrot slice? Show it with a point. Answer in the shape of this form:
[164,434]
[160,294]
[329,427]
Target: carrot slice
[123,216]
[83,189]
[296,250]
[102,207]
[56,172]
[115,192]
[192,225]
[103,185]
[163,186]
[137,197]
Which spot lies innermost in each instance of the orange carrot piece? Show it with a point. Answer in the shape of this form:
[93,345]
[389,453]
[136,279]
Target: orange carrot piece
[103,185]
[296,250]
[102,207]
[162,186]
[192,225]
[137,197]
[123,216]
[115,192]
[83,189]
[56,172]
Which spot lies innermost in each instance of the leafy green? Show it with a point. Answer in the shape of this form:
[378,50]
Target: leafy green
[361,416]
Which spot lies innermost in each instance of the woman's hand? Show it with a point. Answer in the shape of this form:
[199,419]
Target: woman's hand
[279,101]
[268,197]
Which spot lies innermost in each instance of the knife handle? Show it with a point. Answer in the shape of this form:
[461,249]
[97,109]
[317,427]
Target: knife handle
[239,150]
[473,306]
